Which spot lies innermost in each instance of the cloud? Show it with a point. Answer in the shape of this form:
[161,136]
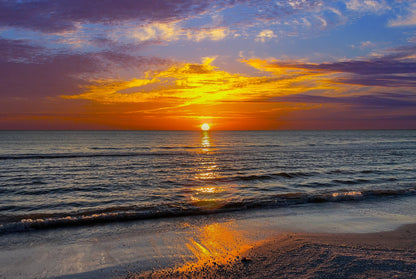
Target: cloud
[27,70]
[374,6]
[408,19]
[58,16]
[156,19]
[380,101]
[155,31]
[189,84]
[397,69]
[344,93]
[365,44]
[172,32]
[380,80]
[265,35]
[214,34]
[81,26]
[19,51]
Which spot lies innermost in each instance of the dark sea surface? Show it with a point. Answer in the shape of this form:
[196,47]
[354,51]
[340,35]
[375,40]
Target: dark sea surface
[54,179]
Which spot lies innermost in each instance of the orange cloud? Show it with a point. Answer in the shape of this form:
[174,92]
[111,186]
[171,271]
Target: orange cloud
[199,91]
[278,95]
[203,83]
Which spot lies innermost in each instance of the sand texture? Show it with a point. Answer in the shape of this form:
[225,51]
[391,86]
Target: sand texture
[305,255]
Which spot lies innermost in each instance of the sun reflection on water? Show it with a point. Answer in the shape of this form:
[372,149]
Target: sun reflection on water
[347,194]
[206,141]
[208,195]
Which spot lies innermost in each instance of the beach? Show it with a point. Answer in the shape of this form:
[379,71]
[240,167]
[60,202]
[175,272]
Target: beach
[332,240]
[313,241]
[389,254]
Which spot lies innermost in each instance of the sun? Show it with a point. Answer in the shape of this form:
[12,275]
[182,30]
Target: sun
[205,127]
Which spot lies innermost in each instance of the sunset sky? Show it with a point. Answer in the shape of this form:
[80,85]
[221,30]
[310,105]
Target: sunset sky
[237,65]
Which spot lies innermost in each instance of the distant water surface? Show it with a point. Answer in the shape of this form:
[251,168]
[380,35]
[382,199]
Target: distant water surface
[60,178]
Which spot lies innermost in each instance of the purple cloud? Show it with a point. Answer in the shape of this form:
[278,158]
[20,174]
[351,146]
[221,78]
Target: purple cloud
[380,80]
[374,67]
[381,101]
[18,50]
[395,70]
[56,16]
[27,70]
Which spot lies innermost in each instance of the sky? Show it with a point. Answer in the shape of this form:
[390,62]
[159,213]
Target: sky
[237,65]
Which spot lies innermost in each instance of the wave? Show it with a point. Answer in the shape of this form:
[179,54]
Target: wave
[28,222]
[260,177]
[343,171]
[88,155]
[72,189]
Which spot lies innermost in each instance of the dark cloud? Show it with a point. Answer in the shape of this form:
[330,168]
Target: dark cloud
[27,70]
[370,67]
[380,66]
[401,52]
[380,80]
[394,70]
[50,78]
[381,101]
[19,51]
[55,16]
[385,65]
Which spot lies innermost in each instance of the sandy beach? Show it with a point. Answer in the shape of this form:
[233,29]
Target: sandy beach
[310,255]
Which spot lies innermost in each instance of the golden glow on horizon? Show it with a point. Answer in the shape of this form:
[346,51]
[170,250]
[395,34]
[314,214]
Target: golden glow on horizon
[205,127]
[200,84]
[181,93]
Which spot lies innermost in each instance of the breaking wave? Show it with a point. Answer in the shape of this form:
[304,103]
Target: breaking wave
[28,222]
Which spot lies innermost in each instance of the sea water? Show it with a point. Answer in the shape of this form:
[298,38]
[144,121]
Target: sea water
[52,179]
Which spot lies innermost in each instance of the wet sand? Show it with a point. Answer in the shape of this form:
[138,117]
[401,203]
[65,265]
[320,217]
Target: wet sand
[310,255]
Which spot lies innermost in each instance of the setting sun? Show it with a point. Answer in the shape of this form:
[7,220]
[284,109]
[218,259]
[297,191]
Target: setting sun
[205,127]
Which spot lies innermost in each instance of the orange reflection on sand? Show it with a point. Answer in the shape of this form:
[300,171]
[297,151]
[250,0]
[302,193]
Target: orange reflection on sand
[217,243]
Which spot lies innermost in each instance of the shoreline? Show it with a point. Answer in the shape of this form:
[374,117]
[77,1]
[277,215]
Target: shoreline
[390,254]
[184,245]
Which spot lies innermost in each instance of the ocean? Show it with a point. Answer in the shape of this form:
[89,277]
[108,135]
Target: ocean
[109,204]
[53,179]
